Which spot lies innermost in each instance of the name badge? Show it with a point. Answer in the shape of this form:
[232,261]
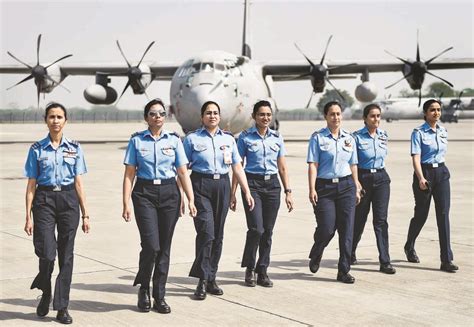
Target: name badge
[227,157]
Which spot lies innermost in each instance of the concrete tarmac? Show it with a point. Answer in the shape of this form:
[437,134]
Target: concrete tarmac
[106,260]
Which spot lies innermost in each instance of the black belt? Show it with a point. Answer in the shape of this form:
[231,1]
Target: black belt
[261,177]
[372,171]
[156,181]
[432,166]
[333,180]
[55,188]
[210,176]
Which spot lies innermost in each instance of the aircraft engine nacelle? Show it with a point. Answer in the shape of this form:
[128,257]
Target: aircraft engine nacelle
[99,94]
[366,92]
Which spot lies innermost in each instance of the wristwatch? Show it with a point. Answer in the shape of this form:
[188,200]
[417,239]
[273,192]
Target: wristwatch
[288,190]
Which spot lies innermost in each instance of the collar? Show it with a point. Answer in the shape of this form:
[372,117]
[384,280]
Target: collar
[46,142]
[163,134]
[427,126]
[269,132]
[203,130]
[327,132]
[365,130]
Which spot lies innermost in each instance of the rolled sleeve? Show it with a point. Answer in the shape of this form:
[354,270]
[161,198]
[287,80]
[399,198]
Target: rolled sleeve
[181,158]
[131,154]
[241,146]
[353,160]
[188,148]
[236,158]
[80,168]
[313,150]
[282,151]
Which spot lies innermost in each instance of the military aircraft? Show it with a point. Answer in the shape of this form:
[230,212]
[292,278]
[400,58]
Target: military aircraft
[236,82]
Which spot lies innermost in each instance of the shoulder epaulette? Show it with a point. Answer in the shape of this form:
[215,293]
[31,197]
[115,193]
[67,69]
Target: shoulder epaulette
[36,145]
[384,133]
[191,132]
[74,142]
[245,132]
[228,133]
[136,134]
[354,133]
[276,133]
[315,133]
[174,134]
[417,128]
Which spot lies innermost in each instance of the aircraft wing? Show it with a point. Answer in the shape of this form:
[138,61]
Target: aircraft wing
[163,72]
[292,71]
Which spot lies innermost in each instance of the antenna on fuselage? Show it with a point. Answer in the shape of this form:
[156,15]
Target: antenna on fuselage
[245,47]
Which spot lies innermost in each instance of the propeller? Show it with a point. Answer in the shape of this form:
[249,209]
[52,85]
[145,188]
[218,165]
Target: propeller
[419,68]
[319,72]
[133,73]
[38,72]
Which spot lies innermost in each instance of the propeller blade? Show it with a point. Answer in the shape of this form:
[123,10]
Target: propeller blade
[417,47]
[325,50]
[149,46]
[49,78]
[439,54]
[123,55]
[419,98]
[339,93]
[343,66]
[146,94]
[310,98]
[430,73]
[38,53]
[310,62]
[401,59]
[22,81]
[124,89]
[69,55]
[38,93]
[404,77]
[21,62]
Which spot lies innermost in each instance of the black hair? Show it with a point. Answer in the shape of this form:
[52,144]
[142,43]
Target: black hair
[427,104]
[150,104]
[207,103]
[370,107]
[329,105]
[52,105]
[259,104]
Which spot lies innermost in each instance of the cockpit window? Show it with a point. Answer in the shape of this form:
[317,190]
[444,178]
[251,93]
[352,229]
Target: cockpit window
[218,66]
[196,66]
[207,66]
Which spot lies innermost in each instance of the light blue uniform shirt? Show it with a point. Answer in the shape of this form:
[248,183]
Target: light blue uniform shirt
[333,156]
[51,167]
[430,144]
[371,152]
[261,153]
[155,158]
[211,154]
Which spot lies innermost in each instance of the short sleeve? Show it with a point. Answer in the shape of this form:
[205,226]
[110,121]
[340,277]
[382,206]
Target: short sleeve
[235,153]
[131,154]
[415,142]
[80,168]
[31,165]
[181,158]
[353,160]
[313,150]
[281,143]
[241,146]
[188,149]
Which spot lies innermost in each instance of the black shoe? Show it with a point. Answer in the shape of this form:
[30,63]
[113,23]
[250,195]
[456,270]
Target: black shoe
[387,268]
[353,259]
[200,292]
[448,267]
[43,306]
[345,278]
[144,303]
[63,317]
[250,277]
[161,306]
[314,264]
[411,255]
[264,280]
[213,288]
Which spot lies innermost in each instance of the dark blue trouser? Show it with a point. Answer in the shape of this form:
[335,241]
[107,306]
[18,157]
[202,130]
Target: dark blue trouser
[156,212]
[212,199]
[440,190]
[335,211]
[260,221]
[61,210]
[377,193]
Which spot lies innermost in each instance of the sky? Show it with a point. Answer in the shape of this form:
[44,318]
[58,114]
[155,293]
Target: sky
[361,31]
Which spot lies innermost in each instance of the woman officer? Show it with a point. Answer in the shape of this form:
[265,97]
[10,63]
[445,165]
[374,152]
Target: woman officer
[54,194]
[332,177]
[371,144]
[211,152]
[264,152]
[155,156]
[429,143]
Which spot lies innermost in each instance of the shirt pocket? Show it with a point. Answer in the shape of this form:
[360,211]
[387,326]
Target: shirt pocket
[252,147]
[43,162]
[427,141]
[199,147]
[275,147]
[324,146]
[363,145]
[443,139]
[168,151]
[70,161]
[143,152]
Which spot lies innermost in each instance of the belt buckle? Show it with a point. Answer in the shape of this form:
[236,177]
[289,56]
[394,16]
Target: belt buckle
[373,170]
[216,176]
[157,182]
[435,165]
[57,188]
[335,180]
[267,177]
